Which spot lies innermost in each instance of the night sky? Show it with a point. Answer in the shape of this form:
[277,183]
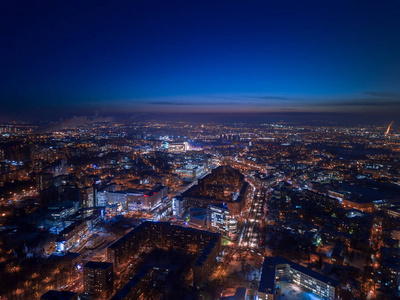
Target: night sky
[65,58]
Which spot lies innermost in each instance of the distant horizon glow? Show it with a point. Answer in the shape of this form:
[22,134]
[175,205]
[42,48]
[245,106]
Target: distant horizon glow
[64,59]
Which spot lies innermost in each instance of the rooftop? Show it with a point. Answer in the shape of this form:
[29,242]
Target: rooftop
[58,295]
[98,265]
[267,282]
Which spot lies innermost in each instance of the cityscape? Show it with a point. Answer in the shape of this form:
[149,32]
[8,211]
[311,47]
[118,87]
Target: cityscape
[199,150]
[174,210]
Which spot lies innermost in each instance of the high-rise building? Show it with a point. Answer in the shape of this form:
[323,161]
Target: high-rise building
[98,280]
[102,198]
[61,168]
[88,196]
[218,218]
[178,206]
[44,181]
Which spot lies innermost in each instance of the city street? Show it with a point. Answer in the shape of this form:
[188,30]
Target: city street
[251,233]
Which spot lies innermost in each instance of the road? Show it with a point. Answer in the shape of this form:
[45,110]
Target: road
[251,234]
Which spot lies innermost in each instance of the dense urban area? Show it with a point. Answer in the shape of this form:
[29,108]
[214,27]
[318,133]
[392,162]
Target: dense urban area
[185,210]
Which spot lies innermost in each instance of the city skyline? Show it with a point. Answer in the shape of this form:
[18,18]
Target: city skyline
[200,150]
[62,59]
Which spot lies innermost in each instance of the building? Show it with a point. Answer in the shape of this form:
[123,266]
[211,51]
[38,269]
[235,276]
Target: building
[393,212]
[198,217]
[135,200]
[233,228]
[277,269]
[208,245]
[98,279]
[88,196]
[44,181]
[389,272]
[63,210]
[224,185]
[337,194]
[102,198]
[148,278]
[206,262]
[189,172]
[178,147]
[263,181]
[358,197]
[119,198]
[61,168]
[154,197]
[59,295]
[219,219]
[71,235]
[178,207]
[67,263]
[360,204]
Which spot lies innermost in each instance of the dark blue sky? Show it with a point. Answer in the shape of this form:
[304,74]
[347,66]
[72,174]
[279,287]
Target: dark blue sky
[79,57]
